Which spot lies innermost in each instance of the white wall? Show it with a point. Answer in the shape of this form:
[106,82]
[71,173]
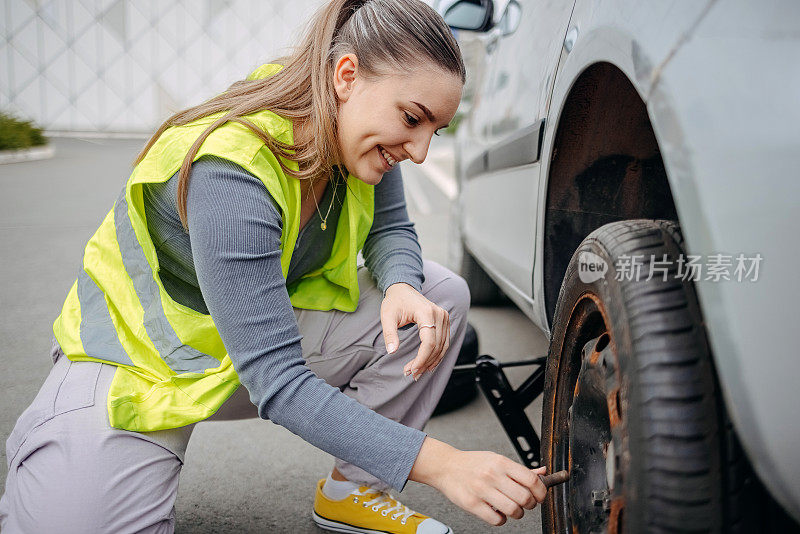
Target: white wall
[126,65]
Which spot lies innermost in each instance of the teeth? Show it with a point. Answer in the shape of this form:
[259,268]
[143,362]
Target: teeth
[389,158]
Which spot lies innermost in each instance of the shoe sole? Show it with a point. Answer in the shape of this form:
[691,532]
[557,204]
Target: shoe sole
[336,526]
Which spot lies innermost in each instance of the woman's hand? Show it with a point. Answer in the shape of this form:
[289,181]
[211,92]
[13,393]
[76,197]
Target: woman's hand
[487,485]
[403,305]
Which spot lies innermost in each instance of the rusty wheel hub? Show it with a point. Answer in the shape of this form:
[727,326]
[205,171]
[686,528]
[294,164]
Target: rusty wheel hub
[595,500]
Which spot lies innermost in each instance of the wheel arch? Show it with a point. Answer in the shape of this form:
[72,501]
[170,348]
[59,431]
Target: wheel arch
[605,165]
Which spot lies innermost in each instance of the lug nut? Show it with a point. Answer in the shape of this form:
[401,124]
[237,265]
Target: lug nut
[599,496]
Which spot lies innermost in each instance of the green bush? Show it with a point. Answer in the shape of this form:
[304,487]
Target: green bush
[15,133]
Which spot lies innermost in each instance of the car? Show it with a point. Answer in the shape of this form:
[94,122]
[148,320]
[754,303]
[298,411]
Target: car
[627,176]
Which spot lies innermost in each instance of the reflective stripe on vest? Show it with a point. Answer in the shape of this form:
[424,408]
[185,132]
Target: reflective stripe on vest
[179,357]
[97,330]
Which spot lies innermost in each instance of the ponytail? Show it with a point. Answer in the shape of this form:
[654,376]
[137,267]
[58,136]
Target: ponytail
[385,35]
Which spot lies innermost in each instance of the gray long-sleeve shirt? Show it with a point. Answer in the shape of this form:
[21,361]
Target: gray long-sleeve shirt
[228,265]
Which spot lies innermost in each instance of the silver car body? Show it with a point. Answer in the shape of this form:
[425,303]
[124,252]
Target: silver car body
[721,83]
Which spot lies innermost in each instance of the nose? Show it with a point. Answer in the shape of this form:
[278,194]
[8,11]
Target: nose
[417,147]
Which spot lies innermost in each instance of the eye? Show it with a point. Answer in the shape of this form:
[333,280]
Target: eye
[411,120]
[437,132]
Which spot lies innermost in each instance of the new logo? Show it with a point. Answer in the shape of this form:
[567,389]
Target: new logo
[591,267]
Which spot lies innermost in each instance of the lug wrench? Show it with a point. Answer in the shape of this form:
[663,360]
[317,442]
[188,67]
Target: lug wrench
[554,479]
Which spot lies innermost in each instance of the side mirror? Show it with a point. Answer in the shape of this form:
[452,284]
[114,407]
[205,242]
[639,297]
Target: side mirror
[471,15]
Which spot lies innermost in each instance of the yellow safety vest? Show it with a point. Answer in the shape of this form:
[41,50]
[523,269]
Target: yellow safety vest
[172,368]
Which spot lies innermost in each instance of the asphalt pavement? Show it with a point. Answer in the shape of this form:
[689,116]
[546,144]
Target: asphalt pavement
[248,476]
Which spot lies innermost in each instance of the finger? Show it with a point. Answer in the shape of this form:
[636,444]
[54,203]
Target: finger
[427,338]
[442,332]
[390,337]
[540,490]
[427,345]
[529,478]
[489,514]
[407,367]
[504,505]
[519,493]
[436,353]
[446,344]
[441,336]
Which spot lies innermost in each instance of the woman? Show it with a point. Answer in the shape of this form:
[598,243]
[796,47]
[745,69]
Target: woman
[217,257]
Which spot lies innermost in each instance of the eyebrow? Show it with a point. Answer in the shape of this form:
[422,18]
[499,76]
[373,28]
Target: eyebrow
[428,114]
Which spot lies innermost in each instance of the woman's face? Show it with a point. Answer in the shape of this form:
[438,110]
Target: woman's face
[396,113]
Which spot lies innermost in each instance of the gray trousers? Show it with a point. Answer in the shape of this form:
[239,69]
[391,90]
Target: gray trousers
[69,471]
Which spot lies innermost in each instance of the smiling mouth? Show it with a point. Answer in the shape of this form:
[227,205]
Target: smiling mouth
[390,161]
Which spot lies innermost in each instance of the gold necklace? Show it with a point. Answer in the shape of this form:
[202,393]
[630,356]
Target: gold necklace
[324,223]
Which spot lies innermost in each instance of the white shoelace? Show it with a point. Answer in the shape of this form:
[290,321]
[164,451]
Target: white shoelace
[401,511]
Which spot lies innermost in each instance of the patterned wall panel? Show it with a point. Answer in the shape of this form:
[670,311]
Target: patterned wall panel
[125,65]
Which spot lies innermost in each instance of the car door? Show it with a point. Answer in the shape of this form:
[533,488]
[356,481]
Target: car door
[500,184]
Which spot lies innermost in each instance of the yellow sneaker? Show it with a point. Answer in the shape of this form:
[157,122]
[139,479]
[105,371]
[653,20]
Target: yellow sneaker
[369,511]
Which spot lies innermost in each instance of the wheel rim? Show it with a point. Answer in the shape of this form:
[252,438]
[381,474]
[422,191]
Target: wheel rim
[588,438]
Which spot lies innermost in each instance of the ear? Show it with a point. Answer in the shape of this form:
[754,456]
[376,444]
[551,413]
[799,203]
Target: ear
[344,76]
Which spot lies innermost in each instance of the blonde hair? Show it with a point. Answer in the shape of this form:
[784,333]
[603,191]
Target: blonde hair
[385,36]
